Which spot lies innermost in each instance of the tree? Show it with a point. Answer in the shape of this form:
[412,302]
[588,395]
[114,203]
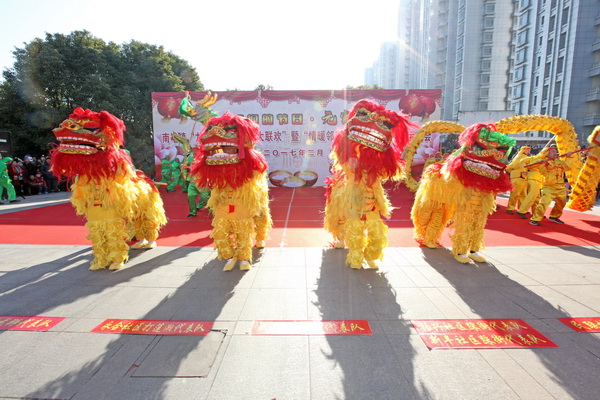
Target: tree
[52,76]
[264,87]
[363,87]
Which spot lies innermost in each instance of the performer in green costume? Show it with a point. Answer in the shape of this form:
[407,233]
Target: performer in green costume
[5,182]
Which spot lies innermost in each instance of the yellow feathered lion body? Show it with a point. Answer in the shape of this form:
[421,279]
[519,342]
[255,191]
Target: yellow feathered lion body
[365,153]
[235,172]
[118,202]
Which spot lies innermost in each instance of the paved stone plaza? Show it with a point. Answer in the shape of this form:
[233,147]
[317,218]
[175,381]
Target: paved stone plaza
[536,284]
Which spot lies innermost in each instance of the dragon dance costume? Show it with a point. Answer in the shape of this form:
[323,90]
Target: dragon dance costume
[365,152]
[116,200]
[235,172]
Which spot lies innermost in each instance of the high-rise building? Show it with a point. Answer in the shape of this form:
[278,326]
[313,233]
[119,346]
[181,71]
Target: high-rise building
[530,56]
[463,47]
[385,71]
[556,61]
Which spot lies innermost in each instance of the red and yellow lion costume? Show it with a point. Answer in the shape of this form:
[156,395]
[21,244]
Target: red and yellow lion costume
[235,171]
[118,201]
[463,188]
[365,152]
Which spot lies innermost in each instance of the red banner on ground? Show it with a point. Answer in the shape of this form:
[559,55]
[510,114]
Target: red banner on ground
[21,323]
[354,327]
[582,324]
[154,327]
[479,334]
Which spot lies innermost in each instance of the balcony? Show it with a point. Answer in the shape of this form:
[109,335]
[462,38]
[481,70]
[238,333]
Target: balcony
[595,70]
[593,94]
[596,45]
[598,20]
[591,120]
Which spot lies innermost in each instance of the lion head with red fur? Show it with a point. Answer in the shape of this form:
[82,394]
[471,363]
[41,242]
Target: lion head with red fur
[482,158]
[89,145]
[227,156]
[371,142]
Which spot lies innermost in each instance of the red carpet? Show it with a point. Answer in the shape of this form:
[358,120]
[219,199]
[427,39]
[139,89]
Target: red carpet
[298,222]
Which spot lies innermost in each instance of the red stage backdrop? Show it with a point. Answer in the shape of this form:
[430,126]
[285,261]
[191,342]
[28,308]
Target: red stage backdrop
[297,127]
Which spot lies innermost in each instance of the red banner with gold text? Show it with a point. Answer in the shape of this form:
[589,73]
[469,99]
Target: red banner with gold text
[479,334]
[22,323]
[582,324]
[154,327]
[346,327]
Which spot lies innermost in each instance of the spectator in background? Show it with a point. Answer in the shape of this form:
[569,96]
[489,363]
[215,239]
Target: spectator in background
[51,181]
[16,173]
[37,184]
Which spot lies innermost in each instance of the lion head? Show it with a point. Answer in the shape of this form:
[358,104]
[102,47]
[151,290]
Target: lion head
[482,158]
[371,142]
[227,155]
[90,144]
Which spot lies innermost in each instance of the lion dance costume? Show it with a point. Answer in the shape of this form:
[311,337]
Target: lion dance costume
[235,172]
[118,201]
[365,153]
[463,188]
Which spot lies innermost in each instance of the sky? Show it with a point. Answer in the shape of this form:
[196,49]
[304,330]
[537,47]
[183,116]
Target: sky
[232,44]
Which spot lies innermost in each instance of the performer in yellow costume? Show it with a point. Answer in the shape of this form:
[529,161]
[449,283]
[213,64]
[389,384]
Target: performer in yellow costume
[463,189]
[365,152]
[116,199]
[518,178]
[235,172]
[553,188]
[534,183]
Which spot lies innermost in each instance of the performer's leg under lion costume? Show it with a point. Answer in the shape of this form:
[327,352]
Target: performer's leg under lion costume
[366,152]
[116,200]
[235,172]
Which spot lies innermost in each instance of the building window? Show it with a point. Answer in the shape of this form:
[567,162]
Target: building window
[518,107]
[565,16]
[484,92]
[555,110]
[524,19]
[486,51]
[485,79]
[537,81]
[557,87]
[489,8]
[519,74]
[538,62]
[549,47]
[488,23]
[483,105]
[545,94]
[488,37]
[552,23]
[518,91]
[560,64]
[486,65]
[534,101]
[520,56]
[524,4]
[562,41]
[521,37]
[540,41]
